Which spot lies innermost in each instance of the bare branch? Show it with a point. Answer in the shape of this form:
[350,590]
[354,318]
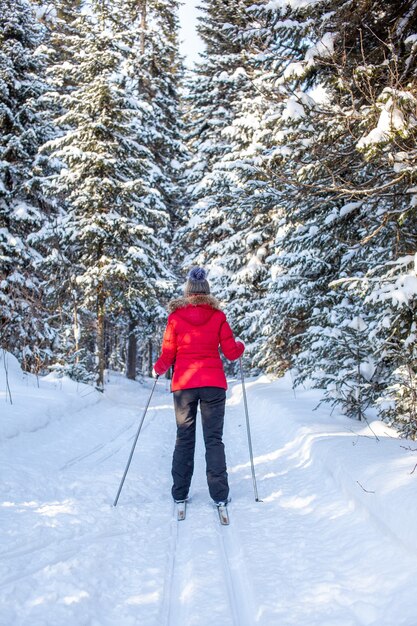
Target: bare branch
[362,487]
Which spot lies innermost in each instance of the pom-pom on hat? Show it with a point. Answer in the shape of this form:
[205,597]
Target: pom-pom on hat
[197,282]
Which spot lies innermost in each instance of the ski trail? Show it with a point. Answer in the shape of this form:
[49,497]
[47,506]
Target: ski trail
[194,591]
[68,549]
[228,576]
[204,583]
[198,587]
[238,586]
[166,609]
[99,447]
[311,555]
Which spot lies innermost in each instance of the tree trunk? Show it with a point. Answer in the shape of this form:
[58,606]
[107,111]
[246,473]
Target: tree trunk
[100,335]
[150,353]
[143,27]
[132,349]
[76,331]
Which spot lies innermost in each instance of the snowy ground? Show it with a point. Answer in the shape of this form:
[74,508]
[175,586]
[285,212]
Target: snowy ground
[333,543]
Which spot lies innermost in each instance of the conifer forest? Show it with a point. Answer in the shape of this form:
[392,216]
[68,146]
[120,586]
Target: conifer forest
[284,162]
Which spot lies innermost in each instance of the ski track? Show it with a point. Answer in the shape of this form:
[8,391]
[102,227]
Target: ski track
[308,537]
[82,457]
[236,577]
[200,545]
[95,565]
[167,598]
[196,546]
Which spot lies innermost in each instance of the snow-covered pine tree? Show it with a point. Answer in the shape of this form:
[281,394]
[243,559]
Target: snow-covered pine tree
[299,273]
[390,296]
[60,298]
[227,229]
[110,233]
[24,324]
[149,30]
[157,72]
[255,206]
[302,141]
[388,139]
[211,97]
[335,198]
[380,81]
[160,73]
[250,206]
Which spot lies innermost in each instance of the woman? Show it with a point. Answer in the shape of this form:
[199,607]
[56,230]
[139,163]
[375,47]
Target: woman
[196,328]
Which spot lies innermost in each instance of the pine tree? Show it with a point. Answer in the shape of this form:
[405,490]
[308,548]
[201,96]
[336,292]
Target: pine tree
[60,297]
[381,88]
[210,102]
[160,75]
[23,322]
[225,231]
[390,296]
[279,34]
[255,204]
[109,234]
[156,72]
[337,138]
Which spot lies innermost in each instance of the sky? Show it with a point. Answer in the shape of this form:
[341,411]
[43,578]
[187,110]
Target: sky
[191,43]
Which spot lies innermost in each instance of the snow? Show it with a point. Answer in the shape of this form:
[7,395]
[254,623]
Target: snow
[391,119]
[294,69]
[333,215]
[24,211]
[275,5]
[367,369]
[323,48]
[320,94]
[412,39]
[33,407]
[45,12]
[405,289]
[349,207]
[293,109]
[357,323]
[333,541]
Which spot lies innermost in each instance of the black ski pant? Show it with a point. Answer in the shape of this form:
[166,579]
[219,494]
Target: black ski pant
[212,404]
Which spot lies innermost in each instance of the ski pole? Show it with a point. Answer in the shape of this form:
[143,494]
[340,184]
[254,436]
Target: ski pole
[134,443]
[245,402]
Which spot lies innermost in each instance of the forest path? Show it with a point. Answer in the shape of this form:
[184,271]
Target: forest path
[310,553]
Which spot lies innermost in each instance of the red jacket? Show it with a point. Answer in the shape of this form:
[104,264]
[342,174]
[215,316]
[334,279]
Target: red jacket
[196,328]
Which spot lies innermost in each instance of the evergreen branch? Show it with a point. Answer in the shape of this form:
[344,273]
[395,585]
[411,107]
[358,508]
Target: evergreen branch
[339,191]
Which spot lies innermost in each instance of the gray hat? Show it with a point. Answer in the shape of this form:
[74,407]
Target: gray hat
[196,282]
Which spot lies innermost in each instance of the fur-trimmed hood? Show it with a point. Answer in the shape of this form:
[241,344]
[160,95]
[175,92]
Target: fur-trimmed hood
[197,300]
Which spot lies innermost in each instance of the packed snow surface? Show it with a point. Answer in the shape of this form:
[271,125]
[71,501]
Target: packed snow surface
[333,542]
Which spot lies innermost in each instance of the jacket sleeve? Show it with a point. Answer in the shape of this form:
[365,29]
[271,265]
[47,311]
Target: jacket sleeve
[231,348]
[169,350]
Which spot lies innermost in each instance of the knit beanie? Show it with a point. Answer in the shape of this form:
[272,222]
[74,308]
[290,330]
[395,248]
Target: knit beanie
[197,283]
